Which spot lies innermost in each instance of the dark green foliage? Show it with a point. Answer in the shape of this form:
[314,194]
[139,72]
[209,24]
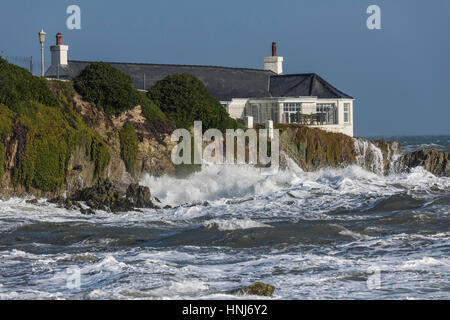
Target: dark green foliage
[184,99]
[159,124]
[150,110]
[17,85]
[129,147]
[109,88]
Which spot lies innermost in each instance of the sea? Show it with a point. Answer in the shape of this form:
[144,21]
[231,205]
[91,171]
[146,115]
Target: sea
[332,234]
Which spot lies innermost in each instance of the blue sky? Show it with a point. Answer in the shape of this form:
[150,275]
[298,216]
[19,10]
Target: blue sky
[399,75]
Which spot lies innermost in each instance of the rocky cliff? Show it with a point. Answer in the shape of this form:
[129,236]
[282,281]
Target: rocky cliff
[313,149]
[49,151]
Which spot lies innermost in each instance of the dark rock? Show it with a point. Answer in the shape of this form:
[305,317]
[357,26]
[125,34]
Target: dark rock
[139,196]
[32,201]
[196,204]
[256,289]
[438,163]
[88,211]
[105,196]
[57,200]
[238,201]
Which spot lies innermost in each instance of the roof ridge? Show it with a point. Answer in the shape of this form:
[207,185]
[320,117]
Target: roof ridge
[177,65]
[295,74]
[329,85]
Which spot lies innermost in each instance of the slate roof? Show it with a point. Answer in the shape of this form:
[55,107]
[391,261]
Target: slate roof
[225,83]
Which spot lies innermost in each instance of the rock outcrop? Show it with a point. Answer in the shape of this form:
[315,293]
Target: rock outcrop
[105,196]
[256,289]
[313,149]
[438,163]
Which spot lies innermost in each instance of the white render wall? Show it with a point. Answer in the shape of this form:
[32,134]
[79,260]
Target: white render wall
[236,109]
[274,64]
[59,54]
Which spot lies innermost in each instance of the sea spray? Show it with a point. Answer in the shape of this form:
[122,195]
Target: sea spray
[369,156]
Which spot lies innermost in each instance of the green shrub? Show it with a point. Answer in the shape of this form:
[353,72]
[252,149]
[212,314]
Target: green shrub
[150,110]
[17,85]
[184,99]
[109,88]
[129,147]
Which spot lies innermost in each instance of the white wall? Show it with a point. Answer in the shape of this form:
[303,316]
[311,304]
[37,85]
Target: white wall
[236,109]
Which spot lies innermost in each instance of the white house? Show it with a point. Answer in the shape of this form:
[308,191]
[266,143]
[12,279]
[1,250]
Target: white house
[265,94]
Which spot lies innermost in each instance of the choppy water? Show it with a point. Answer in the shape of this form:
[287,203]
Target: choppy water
[335,234]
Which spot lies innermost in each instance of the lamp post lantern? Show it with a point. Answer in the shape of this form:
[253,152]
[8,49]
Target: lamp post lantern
[42,40]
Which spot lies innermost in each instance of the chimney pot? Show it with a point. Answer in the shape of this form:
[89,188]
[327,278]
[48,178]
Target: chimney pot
[58,39]
[274,49]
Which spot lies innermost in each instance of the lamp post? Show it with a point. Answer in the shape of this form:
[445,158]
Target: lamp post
[42,40]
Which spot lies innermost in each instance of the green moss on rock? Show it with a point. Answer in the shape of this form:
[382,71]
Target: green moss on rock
[256,289]
[49,140]
[40,117]
[2,161]
[313,148]
[129,147]
[98,152]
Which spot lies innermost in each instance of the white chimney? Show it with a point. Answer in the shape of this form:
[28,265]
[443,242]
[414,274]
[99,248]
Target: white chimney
[274,63]
[59,52]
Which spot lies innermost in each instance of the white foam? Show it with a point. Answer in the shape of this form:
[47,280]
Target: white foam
[234,224]
[422,263]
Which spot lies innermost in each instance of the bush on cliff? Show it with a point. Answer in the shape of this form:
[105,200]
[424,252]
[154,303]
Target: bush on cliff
[129,147]
[17,84]
[109,88]
[112,91]
[184,99]
[41,120]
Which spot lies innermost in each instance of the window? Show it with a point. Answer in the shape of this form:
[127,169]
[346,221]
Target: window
[346,112]
[327,113]
[292,111]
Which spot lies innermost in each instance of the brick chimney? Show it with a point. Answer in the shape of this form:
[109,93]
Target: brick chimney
[58,39]
[274,63]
